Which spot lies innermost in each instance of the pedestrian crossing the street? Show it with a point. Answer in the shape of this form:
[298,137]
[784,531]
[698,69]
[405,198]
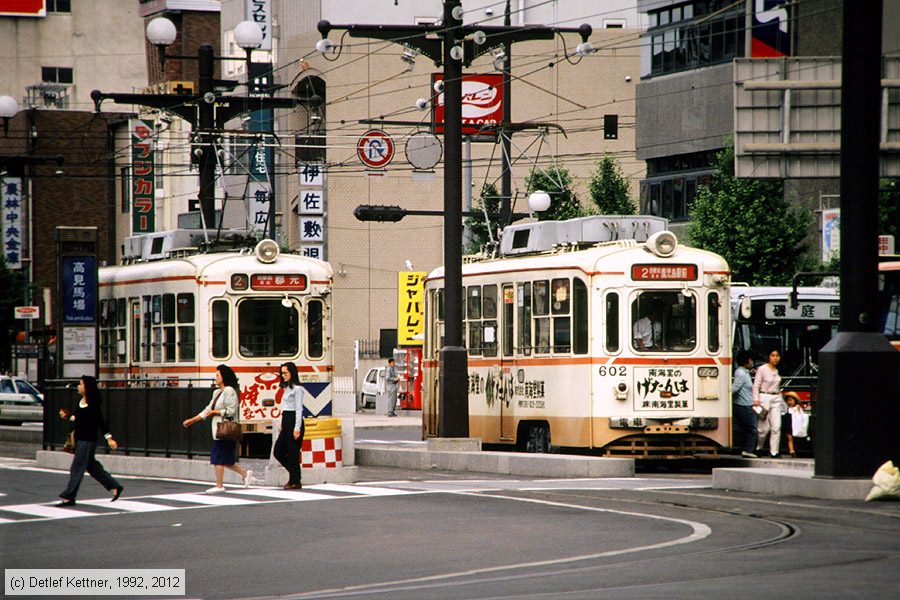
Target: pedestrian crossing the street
[18,513]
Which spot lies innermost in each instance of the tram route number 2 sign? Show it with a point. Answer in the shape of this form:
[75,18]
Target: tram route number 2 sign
[663,388]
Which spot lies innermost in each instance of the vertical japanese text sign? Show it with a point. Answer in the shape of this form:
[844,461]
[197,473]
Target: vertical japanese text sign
[143,177]
[79,289]
[311,209]
[260,12]
[410,308]
[12,221]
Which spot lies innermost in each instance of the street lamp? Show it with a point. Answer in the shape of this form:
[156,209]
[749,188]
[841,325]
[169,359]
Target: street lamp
[539,201]
[8,109]
[207,111]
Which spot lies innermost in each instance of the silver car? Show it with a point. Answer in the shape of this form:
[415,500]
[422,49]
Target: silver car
[19,401]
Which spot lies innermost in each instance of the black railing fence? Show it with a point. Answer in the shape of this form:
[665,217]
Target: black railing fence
[145,421]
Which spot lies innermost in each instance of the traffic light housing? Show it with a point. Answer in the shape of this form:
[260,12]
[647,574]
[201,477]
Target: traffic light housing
[371,212]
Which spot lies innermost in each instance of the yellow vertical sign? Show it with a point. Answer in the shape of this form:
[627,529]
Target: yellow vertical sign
[410,308]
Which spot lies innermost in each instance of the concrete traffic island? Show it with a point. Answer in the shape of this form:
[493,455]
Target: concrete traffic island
[775,479]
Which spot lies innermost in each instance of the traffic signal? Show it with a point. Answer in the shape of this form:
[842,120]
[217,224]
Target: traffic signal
[370,212]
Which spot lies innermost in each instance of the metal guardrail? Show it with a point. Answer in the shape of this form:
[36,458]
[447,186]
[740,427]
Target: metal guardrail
[145,421]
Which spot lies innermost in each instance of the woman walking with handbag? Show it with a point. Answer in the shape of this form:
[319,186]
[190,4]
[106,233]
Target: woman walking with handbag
[290,438]
[88,422]
[223,406]
[767,393]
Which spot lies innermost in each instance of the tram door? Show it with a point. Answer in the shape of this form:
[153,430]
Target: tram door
[504,378]
[135,333]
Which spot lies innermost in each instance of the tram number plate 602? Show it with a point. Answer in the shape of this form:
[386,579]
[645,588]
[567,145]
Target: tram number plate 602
[612,371]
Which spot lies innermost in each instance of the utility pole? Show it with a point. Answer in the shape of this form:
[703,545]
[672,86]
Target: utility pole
[452,45]
[207,112]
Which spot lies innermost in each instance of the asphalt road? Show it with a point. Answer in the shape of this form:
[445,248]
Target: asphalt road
[409,534]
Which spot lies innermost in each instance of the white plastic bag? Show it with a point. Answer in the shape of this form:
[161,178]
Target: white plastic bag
[887,483]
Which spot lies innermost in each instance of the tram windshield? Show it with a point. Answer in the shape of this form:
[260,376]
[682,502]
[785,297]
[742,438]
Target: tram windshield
[267,328]
[664,321]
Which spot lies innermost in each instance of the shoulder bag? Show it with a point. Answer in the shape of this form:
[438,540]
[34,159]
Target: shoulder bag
[228,430]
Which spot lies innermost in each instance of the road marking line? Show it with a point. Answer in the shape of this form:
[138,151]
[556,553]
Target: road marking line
[42,510]
[129,505]
[284,494]
[207,499]
[362,490]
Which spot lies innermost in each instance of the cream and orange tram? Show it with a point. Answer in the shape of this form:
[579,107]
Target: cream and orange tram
[621,347]
[171,317]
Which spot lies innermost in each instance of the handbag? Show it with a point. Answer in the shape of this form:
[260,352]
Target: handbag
[228,430]
[69,446]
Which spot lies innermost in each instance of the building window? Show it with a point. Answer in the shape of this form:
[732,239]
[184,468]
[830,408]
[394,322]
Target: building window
[57,75]
[694,35]
[59,6]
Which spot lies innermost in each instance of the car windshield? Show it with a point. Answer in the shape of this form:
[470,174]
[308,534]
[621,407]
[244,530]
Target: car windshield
[27,388]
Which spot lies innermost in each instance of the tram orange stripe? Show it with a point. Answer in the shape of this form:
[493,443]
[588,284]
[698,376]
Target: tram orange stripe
[593,360]
[663,361]
[160,279]
[212,369]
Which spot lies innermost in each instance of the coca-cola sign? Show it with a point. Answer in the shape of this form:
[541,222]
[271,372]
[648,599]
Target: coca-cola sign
[482,104]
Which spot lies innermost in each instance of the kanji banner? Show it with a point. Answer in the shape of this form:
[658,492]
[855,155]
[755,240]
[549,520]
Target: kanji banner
[12,221]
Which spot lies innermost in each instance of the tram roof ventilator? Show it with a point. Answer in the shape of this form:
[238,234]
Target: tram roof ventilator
[168,244]
[542,236]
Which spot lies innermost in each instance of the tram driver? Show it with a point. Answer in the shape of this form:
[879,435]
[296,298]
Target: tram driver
[647,331]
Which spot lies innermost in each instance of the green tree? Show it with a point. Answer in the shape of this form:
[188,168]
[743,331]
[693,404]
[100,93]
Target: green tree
[748,222]
[557,182]
[488,201]
[609,189]
[12,294]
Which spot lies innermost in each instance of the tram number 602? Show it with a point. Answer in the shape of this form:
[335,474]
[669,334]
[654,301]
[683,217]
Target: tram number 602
[613,371]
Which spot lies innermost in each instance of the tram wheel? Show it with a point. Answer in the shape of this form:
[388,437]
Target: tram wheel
[538,441]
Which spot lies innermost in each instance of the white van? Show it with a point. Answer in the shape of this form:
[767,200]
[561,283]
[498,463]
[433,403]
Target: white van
[19,401]
[372,385]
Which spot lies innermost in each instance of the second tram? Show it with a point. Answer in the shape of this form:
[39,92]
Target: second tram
[559,352]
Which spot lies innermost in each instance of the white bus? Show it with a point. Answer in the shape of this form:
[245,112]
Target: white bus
[552,352]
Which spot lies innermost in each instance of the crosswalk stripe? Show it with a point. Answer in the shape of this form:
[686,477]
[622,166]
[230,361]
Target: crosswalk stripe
[207,499]
[282,494]
[128,505]
[42,510]
[361,490]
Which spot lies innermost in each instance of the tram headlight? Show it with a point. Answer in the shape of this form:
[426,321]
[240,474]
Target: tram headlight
[662,244]
[266,251]
[621,391]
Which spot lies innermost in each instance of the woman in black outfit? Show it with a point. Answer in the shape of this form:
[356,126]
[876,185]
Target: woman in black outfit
[88,424]
[290,438]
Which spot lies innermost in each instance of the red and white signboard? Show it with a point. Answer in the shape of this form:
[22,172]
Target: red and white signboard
[280,283]
[375,149]
[664,272]
[23,8]
[482,103]
[28,312]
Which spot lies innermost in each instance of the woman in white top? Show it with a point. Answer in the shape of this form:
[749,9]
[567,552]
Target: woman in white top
[767,391]
[224,404]
[290,438]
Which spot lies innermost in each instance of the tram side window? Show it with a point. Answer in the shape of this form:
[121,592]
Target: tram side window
[541,312]
[712,322]
[121,328]
[562,324]
[146,329]
[523,304]
[473,319]
[579,317]
[186,335]
[612,322]
[220,319]
[489,312]
[168,329]
[508,322]
[266,328]
[481,317]
[315,328]
[105,345]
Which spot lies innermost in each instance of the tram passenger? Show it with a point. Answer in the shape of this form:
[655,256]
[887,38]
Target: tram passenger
[647,331]
[224,404]
[742,395]
[767,392]
[290,437]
